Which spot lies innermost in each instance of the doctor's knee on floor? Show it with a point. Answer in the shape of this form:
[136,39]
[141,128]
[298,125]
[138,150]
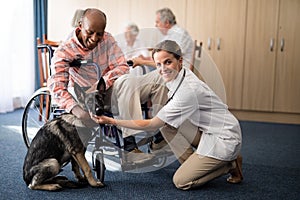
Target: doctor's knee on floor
[181,182]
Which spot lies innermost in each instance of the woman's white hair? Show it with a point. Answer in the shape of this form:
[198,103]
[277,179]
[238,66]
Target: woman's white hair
[133,28]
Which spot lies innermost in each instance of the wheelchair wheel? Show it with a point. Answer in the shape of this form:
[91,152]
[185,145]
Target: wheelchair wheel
[99,167]
[36,114]
[161,161]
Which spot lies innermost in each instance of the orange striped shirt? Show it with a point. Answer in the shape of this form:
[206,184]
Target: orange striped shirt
[107,55]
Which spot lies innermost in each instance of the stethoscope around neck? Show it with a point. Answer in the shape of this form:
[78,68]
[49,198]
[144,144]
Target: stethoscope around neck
[176,87]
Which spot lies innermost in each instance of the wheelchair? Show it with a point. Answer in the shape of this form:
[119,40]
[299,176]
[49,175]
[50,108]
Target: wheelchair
[105,146]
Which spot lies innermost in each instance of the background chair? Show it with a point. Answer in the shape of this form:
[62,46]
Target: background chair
[53,44]
[196,53]
[206,70]
[45,51]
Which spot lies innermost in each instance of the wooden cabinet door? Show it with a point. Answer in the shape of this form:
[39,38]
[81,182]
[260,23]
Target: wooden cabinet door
[220,25]
[260,55]
[287,83]
[200,20]
[228,52]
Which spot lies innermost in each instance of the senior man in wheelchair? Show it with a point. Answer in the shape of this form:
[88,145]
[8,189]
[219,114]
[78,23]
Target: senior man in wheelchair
[90,41]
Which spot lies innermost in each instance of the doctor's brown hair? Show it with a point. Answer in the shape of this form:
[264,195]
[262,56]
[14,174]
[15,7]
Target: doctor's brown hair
[169,46]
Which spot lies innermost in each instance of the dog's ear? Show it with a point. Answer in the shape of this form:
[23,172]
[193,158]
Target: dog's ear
[78,90]
[101,86]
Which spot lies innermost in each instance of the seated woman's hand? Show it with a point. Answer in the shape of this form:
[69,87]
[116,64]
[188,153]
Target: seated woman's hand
[142,60]
[137,61]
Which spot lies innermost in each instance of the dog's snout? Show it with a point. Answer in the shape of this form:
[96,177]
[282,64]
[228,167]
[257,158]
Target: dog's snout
[95,104]
[99,108]
[99,111]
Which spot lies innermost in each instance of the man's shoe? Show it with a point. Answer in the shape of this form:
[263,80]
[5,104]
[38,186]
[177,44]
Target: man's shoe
[158,142]
[236,175]
[157,146]
[137,156]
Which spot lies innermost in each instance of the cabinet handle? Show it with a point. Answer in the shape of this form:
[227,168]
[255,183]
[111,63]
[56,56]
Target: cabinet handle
[272,44]
[218,44]
[209,43]
[282,44]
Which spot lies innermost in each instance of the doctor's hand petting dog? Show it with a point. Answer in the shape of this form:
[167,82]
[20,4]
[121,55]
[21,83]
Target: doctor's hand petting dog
[204,136]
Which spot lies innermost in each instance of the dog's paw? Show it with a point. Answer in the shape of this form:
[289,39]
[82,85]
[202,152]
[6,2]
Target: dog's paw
[97,184]
[49,187]
[54,187]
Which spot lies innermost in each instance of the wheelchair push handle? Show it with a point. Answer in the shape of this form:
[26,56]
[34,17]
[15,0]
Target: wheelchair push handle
[79,63]
[130,63]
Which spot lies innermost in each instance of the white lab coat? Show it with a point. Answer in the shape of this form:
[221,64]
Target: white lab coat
[196,102]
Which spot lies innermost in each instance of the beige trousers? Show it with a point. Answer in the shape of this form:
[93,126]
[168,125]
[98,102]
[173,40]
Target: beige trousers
[195,170]
[129,91]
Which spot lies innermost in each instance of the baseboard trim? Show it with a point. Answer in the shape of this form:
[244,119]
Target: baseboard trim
[274,117]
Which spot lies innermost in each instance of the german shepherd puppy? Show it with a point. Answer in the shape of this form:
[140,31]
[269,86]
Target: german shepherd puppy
[58,142]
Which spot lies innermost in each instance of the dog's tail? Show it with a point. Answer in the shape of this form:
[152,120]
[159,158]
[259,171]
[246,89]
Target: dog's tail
[64,182]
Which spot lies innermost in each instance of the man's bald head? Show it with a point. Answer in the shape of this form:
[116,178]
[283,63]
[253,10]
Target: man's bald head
[92,27]
[93,14]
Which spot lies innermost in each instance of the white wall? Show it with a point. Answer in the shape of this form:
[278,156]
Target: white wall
[142,12]
[60,14]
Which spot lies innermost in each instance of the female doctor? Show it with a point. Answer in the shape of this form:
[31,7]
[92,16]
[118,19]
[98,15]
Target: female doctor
[204,136]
